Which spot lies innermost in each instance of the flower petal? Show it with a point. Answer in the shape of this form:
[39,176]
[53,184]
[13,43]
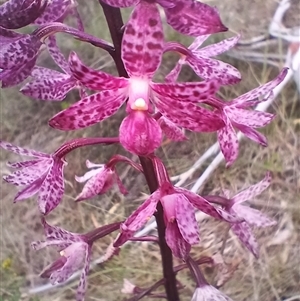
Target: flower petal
[252,134]
[253,190]
[194,18]
[19,52]
[244,233]
[56,54]
[179,246]
[140,133]
[263,90]
[186,220]
[172,131]
[188,115]
[198,42]
[93,79]
[15,14]
[30,190]
[190,92]
[254,217]
[143,41]
[89,110]
[229,143]
[214,69]
[52,190]
[138,218]
[15,76]
[54,11]
[174,73]
[29,174]
[218,48]
[22,151]
[203,205]
[55,88]
[253,119]
[83,277]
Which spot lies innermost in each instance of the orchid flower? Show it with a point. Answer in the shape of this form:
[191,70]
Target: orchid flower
[202,64]
[43,176]
[179,212]
[75,251]
[235,113]
[189,17]
[49,84]
[252,217]
[142,49]
[15,14]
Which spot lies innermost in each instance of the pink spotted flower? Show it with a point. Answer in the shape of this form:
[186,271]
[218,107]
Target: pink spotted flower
[201,62]
[179,206]
[252,217]
[186,16]
[102,177]
[142,49]
[43,176]
[75,253]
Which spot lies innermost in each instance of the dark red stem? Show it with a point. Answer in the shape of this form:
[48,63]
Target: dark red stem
[115,23]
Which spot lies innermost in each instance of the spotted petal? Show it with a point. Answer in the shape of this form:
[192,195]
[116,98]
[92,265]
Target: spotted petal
[208,69]
[229,143]
[138,218]
[52,190]
[51,85]
[253,190]
[15,14]
[89,110]
[264,90]
[143,41]
[19,52]
[179,246]
[194,18]
[93,79]
[22,151]
[54,11]
[189,92]
[244,233]
[254,217]
[252,134]
[188,115]
[186,220]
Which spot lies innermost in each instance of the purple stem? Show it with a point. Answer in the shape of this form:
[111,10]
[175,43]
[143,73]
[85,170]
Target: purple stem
[115,23]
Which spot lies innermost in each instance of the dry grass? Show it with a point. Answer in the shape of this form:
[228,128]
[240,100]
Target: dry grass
[275,276]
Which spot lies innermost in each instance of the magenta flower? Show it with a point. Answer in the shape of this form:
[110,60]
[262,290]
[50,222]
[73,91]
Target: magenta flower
[43,176]
[75,251]
[189,17]
[99,180]
[15,14]
[202,64]
[49,84]
[235,113]
[209,293]
[252,217]
[179,212]
[142,49]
